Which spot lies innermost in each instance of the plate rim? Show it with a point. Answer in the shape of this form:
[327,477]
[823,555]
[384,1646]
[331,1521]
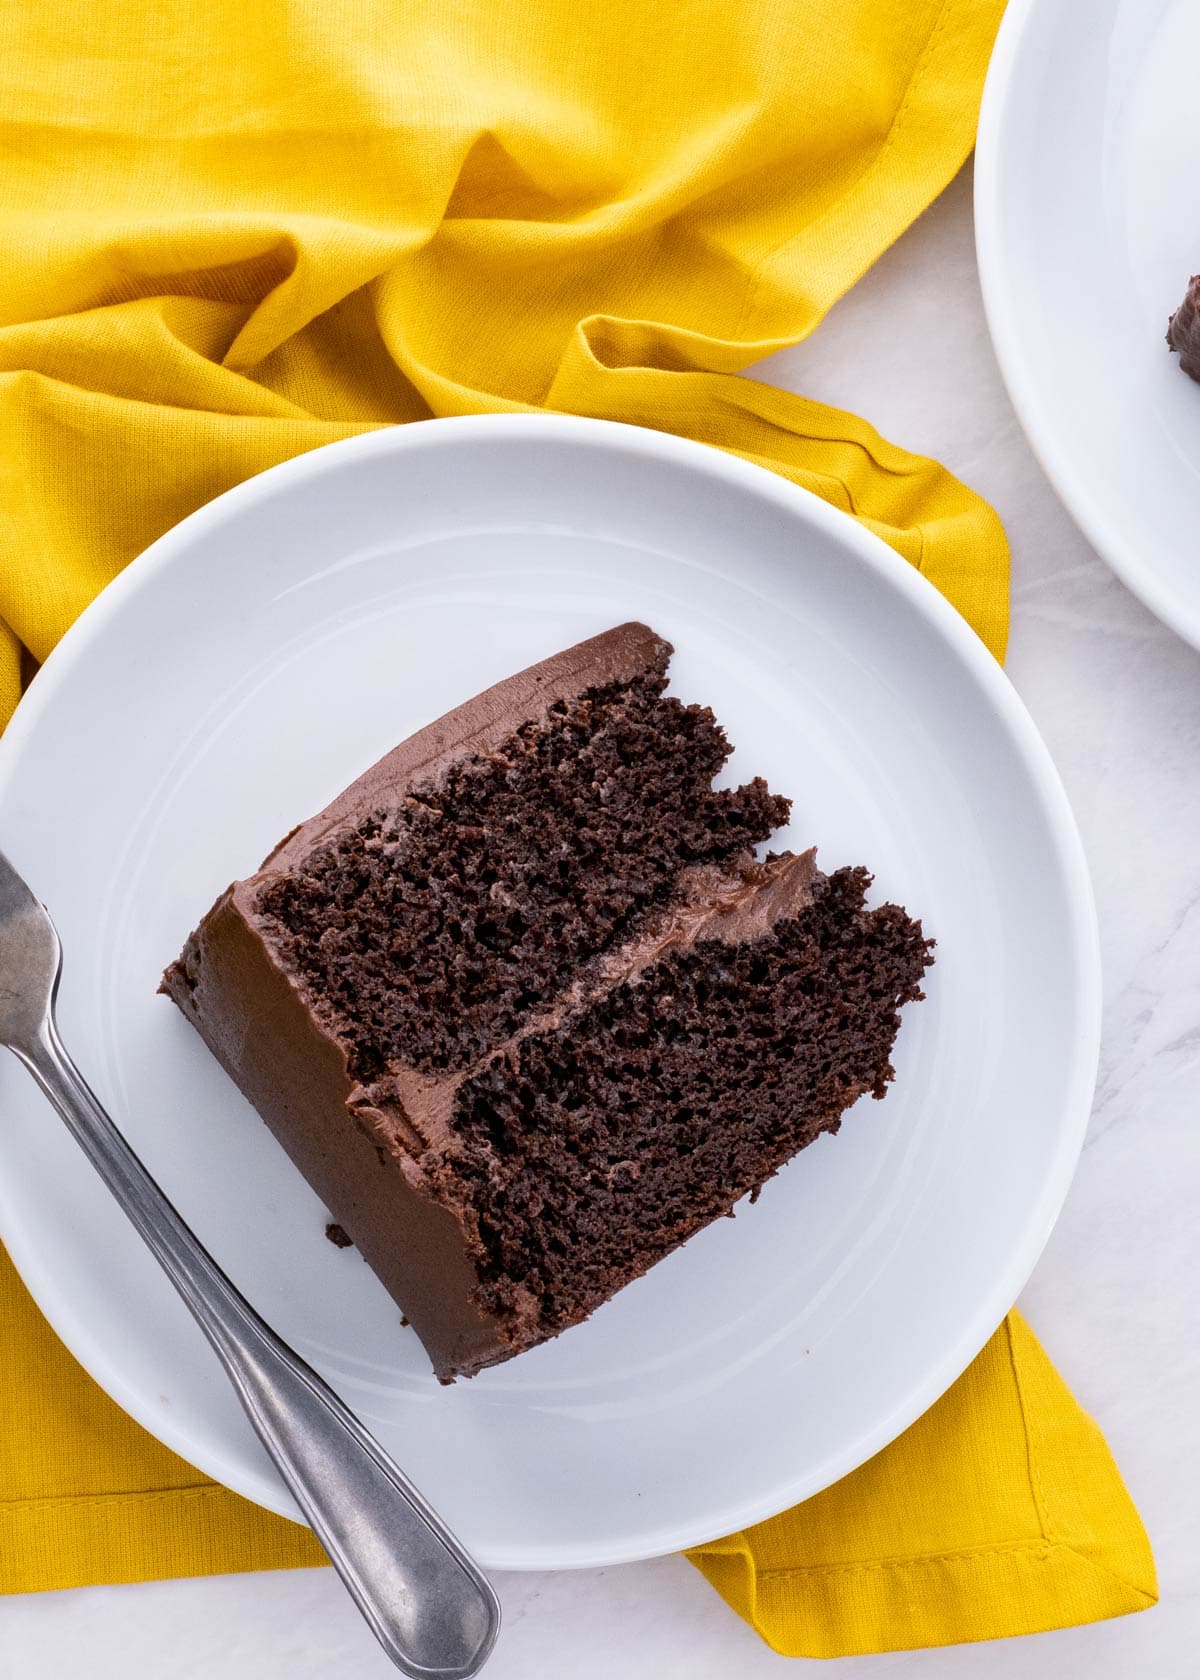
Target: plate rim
[1066,850]
[1053,454]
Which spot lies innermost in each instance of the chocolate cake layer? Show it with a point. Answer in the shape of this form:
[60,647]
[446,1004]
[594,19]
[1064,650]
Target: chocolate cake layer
[427,928]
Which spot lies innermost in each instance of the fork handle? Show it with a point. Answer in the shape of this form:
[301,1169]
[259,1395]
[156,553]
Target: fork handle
[431,1608]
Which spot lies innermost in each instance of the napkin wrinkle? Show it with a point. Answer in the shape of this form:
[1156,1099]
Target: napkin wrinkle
[1119,1552]
[874,163]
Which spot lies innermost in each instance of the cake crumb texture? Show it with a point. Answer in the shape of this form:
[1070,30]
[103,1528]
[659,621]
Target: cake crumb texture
[426,934]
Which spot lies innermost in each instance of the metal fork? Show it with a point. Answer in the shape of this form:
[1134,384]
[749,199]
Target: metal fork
[426,1601]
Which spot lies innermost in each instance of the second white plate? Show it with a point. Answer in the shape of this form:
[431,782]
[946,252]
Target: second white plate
[257,658]
[1088,228]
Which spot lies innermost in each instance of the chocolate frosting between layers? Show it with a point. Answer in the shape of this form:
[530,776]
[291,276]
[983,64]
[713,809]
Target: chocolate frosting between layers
[411,1111]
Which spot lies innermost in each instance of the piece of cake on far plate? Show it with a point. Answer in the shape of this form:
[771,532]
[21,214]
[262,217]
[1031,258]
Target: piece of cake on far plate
[525,1009]
[1183,329]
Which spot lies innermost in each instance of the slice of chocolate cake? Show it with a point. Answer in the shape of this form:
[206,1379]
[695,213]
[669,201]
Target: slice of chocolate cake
[525,1010]
[1183,329]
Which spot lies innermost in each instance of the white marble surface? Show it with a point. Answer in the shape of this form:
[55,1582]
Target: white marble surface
[1115,1298]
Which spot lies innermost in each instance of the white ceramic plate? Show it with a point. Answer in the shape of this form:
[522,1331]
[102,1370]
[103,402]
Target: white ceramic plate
[270,647]
[1088,227]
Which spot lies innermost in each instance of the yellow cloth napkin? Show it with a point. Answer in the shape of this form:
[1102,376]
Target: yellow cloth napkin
[232,232]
